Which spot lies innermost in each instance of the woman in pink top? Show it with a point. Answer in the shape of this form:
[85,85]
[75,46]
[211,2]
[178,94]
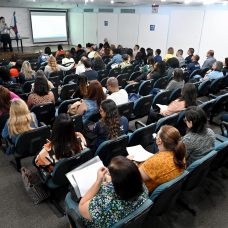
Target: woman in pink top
[188,98]
[6,96]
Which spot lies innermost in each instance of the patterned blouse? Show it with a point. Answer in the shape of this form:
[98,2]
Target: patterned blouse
[107,209]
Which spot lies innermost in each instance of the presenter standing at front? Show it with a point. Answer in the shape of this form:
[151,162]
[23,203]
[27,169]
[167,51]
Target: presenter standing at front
[4,34]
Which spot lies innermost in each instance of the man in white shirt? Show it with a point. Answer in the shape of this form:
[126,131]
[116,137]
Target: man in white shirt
[119,96]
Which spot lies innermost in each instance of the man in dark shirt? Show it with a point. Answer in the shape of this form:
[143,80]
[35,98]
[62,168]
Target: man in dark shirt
[194,65]
[89,73]
[79,53]
[190,52]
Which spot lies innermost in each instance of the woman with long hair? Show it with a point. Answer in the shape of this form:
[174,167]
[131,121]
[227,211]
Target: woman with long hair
[41,93]
[20,120]
[158,72]
[117,192]
[188,98]
[61,145]
[26,72]
[81,92]
[111,125]
[168,163]
[177,81]
[52,66]
[199,139]
[97,62]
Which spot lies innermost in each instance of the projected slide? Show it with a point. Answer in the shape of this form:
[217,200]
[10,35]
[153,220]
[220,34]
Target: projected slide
[49,26]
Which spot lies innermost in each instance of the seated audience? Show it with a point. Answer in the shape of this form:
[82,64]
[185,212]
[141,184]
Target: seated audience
[68,58]
[149,67]
[159,71]
[157,57]
[199,140]
[97,62]
[216,71]
[209,61]
[177,81]
[225,68]
[168,163]
[60,51]
[119,96]
[170,54]
[130,53]
[91,103]
[81,92]
[80,68]
[111,125]
[41,93]
[116,59]
[43,58]
[20,120]
[180,57]
[89,73]
[172,64]
[52,66]
[79,53]
[188,98]
[140,57]
[190,52]
[109,199]
[126,61]
[149,53]
[26,72]
[135,50]
[61,145]
[5,78]
[194,64]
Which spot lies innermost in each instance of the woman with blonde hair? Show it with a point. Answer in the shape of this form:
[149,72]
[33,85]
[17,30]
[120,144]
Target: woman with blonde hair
[27,73]
[20,120]
[52,66]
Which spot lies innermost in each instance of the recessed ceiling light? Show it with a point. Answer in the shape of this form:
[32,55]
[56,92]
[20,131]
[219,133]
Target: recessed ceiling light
[112,1]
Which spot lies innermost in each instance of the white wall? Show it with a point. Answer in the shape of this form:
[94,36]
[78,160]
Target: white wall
[202,27]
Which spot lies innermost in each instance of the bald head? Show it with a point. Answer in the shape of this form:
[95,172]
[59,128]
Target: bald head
[112,84]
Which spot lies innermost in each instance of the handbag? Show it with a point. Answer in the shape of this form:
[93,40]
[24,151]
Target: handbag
[33,186]
[79,107]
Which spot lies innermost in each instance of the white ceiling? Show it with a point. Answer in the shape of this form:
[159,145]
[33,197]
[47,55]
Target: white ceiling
[105,3]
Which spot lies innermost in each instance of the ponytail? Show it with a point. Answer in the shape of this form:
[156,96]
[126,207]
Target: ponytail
[179,154]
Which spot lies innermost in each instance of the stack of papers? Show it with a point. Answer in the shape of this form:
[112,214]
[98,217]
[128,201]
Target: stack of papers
[138,153]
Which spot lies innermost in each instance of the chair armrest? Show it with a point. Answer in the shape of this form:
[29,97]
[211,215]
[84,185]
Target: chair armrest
[223,127]
[139,124]
[212,96]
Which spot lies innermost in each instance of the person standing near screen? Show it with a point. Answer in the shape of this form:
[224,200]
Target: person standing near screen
[4,34]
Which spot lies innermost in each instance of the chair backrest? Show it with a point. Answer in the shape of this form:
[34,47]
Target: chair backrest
[137,218]
[128,70]
[216,85]
[112,148]
[195,72]
[137,67]
[207,106]
[221,157]
[78,124]
[74,219]
[126,109]
[44,112]
[168,120]
[198,171]
[204,88]
[161,83]
[68,164]
[102,74]
[145,87]
[142,136]
[63,107]
[122,79]
[174,95]
[161,98]
[31,142]
[67,91]
[132,88]
[55,81]
[27,86]
[165,195]
[142,106]
[56,94]
[134,75]
[114,72]
[104,81]
[180,123]
[70,79]
[186,76]
[56,73]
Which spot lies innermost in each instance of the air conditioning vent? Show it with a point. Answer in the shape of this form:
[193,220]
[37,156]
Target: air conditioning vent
[127,11]
[105,10]
[88,10]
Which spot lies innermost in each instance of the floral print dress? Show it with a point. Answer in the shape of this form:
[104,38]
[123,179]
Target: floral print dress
[107,209]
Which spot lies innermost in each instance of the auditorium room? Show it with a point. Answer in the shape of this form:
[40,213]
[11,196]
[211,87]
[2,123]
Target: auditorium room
[113,113]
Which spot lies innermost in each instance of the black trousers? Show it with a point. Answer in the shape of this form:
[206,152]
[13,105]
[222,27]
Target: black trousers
[5,38]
